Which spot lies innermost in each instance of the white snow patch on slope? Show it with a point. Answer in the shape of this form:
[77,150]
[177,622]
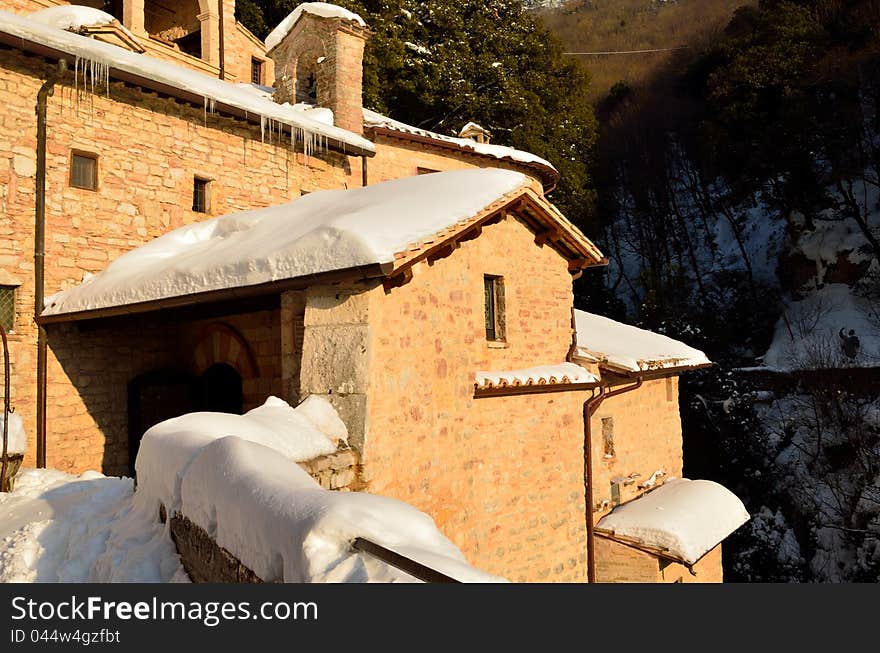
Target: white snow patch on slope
[538,375]
[16,437]
[55,527]
[373,119]
[213,90]
[683,517]
[807,336]
[321,232]
[629,348]
[275,518]
[297,434]
[323,9]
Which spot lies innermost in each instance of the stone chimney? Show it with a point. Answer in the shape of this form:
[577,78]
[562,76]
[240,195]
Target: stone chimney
[318,52]
[475,133]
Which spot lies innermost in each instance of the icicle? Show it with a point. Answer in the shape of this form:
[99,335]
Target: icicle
[262,129]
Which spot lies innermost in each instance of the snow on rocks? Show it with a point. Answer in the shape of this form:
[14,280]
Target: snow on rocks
[538,375]
[321,232]
[17,439]
[630,349]
[296,434]
[808,335]
[373,119]
[275,518]
[101,59]
[323,9]
[684,518]
[55,527]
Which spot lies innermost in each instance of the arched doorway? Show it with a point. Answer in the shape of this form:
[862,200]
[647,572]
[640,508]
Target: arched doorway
[221,389]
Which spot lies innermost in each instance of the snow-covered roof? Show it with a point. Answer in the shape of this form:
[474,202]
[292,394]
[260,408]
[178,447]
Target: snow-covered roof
[321,232]
[106,61]
[323,9]
[626,348]
[683,519]
[502,152]
[534,376]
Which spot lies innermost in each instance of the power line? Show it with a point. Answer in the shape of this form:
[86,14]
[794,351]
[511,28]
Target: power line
[608,52]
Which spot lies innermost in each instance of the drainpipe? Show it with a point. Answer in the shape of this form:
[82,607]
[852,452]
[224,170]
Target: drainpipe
[6,411]
[364,171]
[222,43]
[591,405]
[43,95]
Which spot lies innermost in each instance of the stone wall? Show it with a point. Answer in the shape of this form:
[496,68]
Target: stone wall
[337,471]
[502,477]
[618,563]
[91,366]
[149,149]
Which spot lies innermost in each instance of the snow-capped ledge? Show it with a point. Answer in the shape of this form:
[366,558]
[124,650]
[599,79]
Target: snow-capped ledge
[682,519]
[541,375]
[323,9]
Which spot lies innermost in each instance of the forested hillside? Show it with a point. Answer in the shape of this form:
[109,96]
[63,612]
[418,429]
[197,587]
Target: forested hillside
[739,198]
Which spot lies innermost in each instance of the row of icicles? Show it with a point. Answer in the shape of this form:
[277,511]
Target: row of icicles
[89,74]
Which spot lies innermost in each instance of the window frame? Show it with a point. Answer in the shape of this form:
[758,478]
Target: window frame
[82,154]
[258,66]
[208,183]
[14,292]
[494,308]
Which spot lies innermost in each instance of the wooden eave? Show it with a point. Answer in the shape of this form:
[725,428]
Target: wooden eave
[114,29]
[525,204]
[163,89]
[549,176]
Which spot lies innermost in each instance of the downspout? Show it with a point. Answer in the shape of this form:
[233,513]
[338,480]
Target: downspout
[591,405]
[6,410]
[222,40]
[43,95]
[364,171]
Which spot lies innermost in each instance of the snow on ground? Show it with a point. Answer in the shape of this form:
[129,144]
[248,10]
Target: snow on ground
[323,9]
[539,375]
[373,119]
[236,477]
[55,527]
[629,348]
[686,518]
[310,430]
[16,437]
[93,61]
[280,523]
[321,232]
[807,336]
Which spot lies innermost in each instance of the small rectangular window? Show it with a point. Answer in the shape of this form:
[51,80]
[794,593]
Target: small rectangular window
[201,195]
[608,436]
[7,308]
[84,171]
[256,71]
[493,288]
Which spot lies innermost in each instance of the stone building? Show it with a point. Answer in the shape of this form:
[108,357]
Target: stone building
[455,360]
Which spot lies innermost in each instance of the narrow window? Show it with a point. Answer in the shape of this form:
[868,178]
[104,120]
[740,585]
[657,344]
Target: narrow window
[84,170]
[608,436]
[494,308]
[201,195]
[256,71]
[7,308]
